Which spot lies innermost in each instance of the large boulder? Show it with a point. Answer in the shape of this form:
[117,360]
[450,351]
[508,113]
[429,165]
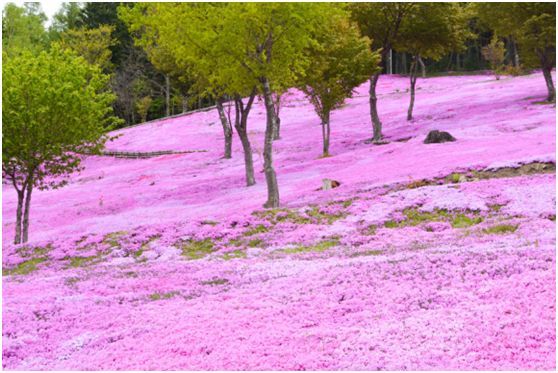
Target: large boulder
[437,137]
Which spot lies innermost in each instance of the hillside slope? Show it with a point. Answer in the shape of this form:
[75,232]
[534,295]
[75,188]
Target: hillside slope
[437,256]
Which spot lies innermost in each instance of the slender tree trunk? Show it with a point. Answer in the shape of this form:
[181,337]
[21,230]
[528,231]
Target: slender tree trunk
[25,234]
[20,196]
[167,95]
[326,131]
[413,75]
[270,176]
[248,161]
[227,129]
[184,104]
[549,84]
[376,124]
[422,67]
[277,131]
[241,125]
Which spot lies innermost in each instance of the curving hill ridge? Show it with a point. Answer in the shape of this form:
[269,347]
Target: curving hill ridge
[433,256]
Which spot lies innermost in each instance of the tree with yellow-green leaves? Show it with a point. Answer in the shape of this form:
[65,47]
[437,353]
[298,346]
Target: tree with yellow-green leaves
[431,30]
[340,60]
[533,25]
[92,44]
[55,107]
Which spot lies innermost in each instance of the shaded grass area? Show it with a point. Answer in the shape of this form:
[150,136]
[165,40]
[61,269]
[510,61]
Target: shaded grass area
[475,175]
[501,229]
[318,247]
[414,217]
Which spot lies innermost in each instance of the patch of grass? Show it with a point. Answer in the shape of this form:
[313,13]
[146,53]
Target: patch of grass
[367,253]
[24,268]
[113,239]
[418,184]
[281,215]
[236,254]
[196,249]
[144,246]
[464,221]
[501,229]
[454,177]
[159,296]
[209,222]
[370,230]
[323,217]
[83,261]
[414,217]
[34,252]
[215,282]
[496,207]
[260,228]
[319,247]
[258,242]
[235,242]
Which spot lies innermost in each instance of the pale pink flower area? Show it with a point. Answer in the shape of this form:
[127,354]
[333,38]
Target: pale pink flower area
[427,257]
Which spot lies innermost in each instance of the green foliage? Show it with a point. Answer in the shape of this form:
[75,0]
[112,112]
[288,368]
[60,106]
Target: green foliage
[494,54]
[25,267]
[92,44]
[55,107]
[215,282]
[340,60]
[160,296]
[501,229]
[142,106]
[236,254]
[196,249]
[431,30]
[23,30]
[414,217]
[318,247]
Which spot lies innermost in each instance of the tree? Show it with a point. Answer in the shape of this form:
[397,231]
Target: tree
[92,44]
[69,17]
[381,23]
[430,30]
[533,26]
[341,60]
[494,53]
[55,108]
[142,106]
[23,29]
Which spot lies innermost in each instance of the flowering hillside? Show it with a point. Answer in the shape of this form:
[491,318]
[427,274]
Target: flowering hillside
[427,256]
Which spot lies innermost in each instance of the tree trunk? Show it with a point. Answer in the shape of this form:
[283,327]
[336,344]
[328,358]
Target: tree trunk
[25,234]
[326,131]
[270,176]
[227,129]
[376,124]
[277,131]
[167,95]
[248,161]
[413,75]
[20,196]
[241,125]
[422,67]
[184,104]
[547,72]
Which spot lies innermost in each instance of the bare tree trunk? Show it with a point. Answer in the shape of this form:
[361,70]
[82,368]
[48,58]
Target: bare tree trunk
[422,67]
[184,104]
[326,131]
[376,124]
[241,124]
[277,128]
[270,176]
[549,84]
[20,196]
[413,75]
[227,129]
[167,95]
[25,234]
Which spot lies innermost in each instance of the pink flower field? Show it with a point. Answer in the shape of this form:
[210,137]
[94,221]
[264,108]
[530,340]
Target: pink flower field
[426,257]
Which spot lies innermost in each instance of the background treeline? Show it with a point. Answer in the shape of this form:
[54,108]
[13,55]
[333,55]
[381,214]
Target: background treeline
[144,92]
